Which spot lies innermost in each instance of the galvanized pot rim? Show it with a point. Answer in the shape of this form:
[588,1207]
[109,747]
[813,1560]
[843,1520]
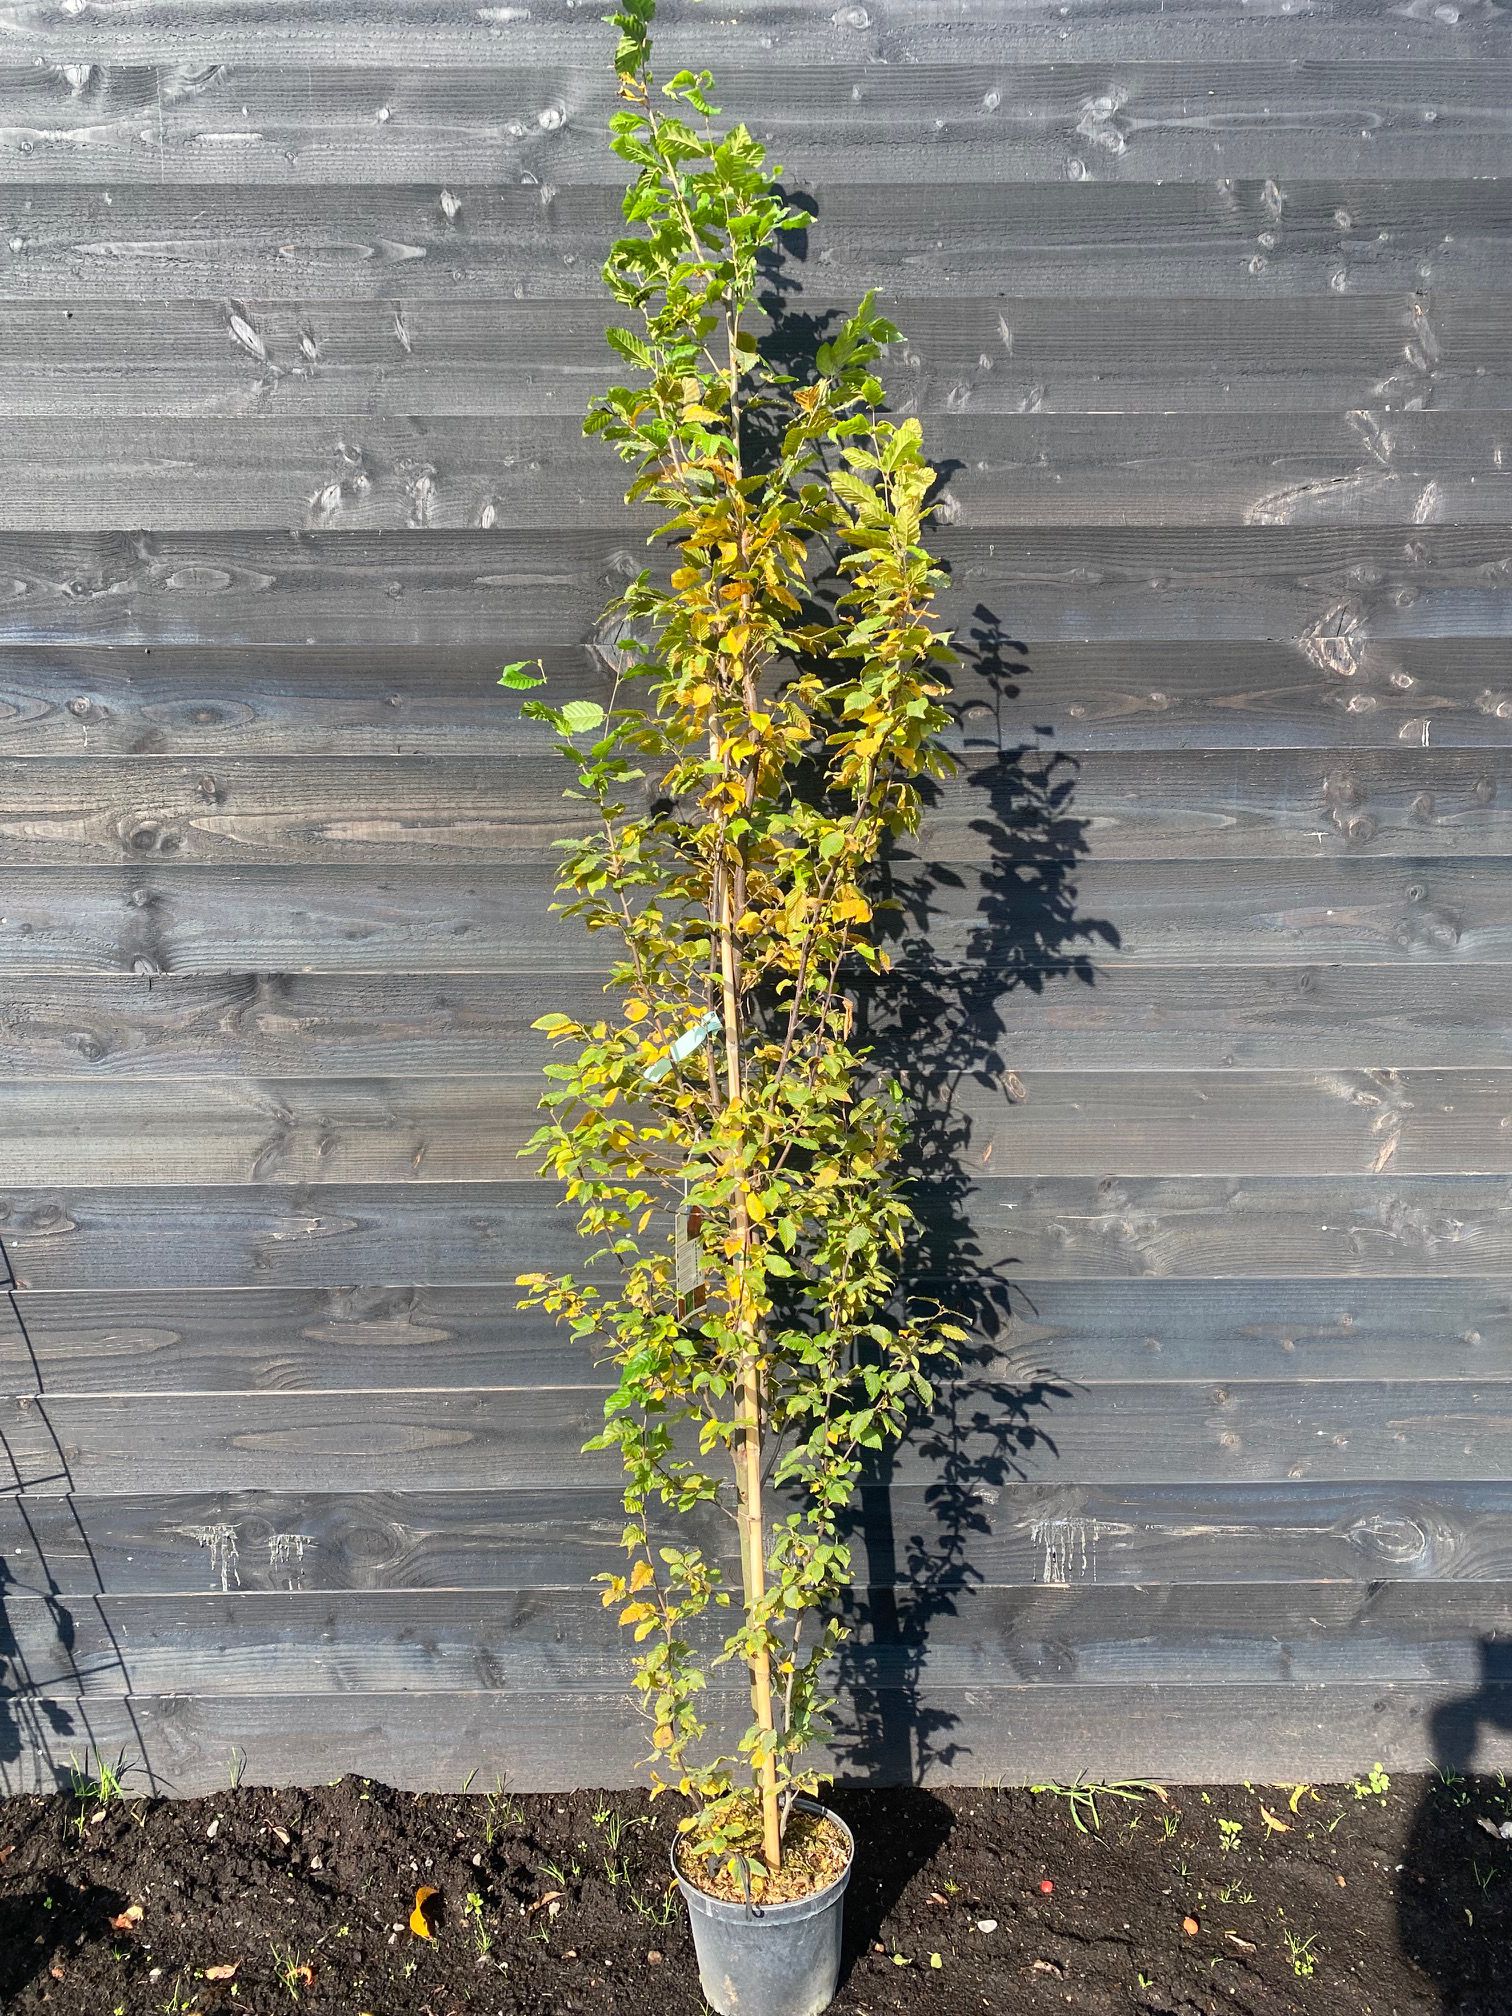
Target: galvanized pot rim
[788,1911]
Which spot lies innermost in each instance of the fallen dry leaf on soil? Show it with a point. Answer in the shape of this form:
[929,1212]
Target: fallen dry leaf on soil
[128,1920]
[1244,1945]
[1273,1825]
[225,1971]
[1190,1926]
[551,1897]
[420,1918]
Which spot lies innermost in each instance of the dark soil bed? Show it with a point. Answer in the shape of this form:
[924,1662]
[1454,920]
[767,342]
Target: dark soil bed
[1370,1903]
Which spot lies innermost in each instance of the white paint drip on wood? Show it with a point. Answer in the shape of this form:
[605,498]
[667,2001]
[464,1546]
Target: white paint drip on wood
[1070,1550]
[220,1542]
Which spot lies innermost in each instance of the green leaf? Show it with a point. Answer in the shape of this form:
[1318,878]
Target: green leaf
[580,717]
[524,673]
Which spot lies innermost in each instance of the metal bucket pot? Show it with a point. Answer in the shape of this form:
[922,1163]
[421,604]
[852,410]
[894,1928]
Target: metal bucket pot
[770,1959]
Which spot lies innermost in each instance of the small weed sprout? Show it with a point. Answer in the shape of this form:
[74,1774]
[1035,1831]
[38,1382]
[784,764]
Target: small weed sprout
[98,1782]
[656,1909]
[1081,1797]
[293,1970]
[1302,1953]
[482,1937]
[1374,1786]
[1230,1833]
[501,1811]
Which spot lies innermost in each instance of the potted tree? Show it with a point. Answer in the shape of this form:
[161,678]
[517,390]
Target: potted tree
[732,1153]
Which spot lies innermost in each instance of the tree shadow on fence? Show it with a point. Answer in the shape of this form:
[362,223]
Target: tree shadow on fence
[967,939]
[1454,1891]
[986,909]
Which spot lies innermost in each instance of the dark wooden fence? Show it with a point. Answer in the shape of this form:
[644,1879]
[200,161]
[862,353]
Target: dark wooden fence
[1209,313]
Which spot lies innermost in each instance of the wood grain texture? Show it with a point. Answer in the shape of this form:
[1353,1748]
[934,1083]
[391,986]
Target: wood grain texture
[1055,919]
[1342,598]
[562,1640]
[899,122]
[1129,1018]
[409,809]
[1013,1535]
[178,1744]
[1000,807]
[470,1130]
[530,1438]
[1061,1228]
[279,701]
[167,1341]
[1367,467]
[409,356]
[403,32]
[1243,238]
[1204,954]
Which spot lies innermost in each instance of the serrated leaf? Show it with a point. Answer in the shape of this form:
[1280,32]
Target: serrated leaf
[579,717]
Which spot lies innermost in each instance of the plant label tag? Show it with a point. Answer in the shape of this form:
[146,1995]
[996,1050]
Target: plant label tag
[689,1041]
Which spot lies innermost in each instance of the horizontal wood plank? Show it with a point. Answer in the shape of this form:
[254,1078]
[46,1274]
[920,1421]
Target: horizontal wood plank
[1364,467]
[1013,1535]
[205,700]
[1124,1018]
[178,1745]
[898,122]
[1340,596]
[1067,1228]
[409,356]
[445,1339]
[530,1438]
[193,33]
[349,1130]
[1243,238]
[1000,807]
[1055,919]
[562,1640]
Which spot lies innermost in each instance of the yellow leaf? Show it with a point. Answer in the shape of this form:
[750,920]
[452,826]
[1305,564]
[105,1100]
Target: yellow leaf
[661,1736]
[1274,1825]
[642,1575]
[420,1917]
[636,1011]
[756,1208]
[634,1613]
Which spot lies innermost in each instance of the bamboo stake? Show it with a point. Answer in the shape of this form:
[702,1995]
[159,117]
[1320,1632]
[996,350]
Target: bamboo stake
[748,1400]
